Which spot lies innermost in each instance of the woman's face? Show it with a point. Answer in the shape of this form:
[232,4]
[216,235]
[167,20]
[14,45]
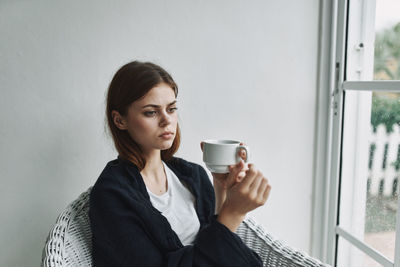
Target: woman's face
[152,120]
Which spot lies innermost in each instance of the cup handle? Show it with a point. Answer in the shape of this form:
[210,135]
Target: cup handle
[246,148]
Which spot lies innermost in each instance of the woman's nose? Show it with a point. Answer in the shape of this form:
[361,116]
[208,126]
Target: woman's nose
[165,119]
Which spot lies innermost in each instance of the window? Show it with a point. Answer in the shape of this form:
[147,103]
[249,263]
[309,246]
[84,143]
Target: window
[363,226]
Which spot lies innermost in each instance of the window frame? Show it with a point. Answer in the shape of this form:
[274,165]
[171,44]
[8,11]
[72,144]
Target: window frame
[327,170]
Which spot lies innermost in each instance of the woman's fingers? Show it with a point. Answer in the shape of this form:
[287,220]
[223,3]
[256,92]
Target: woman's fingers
[243,171]
[251,193]
[267,192]
[242,153]
[256,183]
[251,174]
[263,186]
[241,175]
[262,190]
[237,168]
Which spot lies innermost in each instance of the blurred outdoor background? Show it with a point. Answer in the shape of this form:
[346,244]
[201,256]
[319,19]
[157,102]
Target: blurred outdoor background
[384,146]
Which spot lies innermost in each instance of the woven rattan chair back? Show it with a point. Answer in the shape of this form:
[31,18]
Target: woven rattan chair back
[70,241]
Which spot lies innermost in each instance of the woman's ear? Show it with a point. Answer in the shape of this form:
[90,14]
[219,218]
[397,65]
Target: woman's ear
[118,120]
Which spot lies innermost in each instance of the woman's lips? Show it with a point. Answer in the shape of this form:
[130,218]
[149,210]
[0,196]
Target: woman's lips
[167,136]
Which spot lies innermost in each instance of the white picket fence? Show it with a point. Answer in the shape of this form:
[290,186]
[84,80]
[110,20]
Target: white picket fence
[382,176]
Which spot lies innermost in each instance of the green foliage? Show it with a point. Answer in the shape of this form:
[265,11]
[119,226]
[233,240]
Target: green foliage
[385,111]
[387,46]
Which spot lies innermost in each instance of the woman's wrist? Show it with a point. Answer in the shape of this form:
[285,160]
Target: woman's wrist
[218,205]
[219,200]
[230,219]
[220,196]
[218,185]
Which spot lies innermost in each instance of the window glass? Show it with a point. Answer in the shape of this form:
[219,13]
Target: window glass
[349,255]
[371,168]
[387,40]
[373,40]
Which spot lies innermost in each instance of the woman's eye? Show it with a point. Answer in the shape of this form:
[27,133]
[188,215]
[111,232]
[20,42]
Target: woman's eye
[150,113]
[172,110]
[153,113]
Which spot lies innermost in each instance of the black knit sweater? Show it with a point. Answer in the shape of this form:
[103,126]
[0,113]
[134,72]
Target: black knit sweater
[128,231]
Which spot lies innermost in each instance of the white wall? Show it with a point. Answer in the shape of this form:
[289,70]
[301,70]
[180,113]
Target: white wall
[246,70]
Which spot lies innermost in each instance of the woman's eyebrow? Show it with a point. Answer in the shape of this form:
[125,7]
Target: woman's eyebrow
[158,106]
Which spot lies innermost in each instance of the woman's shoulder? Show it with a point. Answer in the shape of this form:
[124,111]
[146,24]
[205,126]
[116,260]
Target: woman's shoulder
[117,189]
[113,170]
[115,177]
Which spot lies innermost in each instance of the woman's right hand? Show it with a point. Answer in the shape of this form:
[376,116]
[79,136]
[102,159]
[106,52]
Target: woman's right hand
[247,195]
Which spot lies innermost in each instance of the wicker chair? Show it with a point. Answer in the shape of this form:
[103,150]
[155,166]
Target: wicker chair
[69,242]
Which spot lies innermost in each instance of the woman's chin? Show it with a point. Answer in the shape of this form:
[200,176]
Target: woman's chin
[166,145]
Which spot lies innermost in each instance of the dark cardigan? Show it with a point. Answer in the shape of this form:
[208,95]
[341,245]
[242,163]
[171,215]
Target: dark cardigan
[128,231]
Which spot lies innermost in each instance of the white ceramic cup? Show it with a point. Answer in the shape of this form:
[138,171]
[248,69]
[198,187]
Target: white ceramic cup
[219,154]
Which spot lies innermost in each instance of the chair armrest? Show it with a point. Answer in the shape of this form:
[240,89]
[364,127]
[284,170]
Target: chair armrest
[273,252]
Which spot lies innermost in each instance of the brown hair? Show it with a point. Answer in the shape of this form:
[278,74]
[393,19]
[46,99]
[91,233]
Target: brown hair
[131,82]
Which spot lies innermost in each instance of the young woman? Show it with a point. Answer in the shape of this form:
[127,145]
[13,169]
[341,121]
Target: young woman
[149,208]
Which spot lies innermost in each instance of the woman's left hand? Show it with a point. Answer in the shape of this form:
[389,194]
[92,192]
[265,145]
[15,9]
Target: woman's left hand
[223,181]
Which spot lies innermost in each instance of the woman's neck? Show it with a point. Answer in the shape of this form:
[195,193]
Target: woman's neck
[154,169]
[154,175]
[152,164]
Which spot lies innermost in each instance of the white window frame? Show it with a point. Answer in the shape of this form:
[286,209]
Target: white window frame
[331,88]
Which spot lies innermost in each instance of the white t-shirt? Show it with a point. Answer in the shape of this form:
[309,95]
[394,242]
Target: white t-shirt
[177,205]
